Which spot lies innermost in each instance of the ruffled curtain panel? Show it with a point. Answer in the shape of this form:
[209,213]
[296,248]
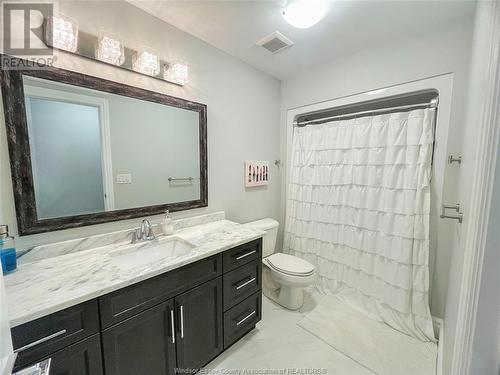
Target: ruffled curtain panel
[358,208]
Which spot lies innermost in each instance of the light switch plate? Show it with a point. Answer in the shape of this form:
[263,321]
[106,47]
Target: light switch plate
[123,178]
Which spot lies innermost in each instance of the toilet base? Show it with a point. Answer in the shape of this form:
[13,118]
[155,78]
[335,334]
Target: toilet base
[291,297]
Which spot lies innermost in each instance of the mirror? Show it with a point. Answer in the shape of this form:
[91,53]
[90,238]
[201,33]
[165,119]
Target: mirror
[95,151]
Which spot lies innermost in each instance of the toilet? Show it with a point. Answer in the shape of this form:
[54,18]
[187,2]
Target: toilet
[291,273]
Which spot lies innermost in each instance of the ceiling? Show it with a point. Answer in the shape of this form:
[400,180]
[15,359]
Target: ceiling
[349,26]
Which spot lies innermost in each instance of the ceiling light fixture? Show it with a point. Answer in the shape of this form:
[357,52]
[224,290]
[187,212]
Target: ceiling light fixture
[110,50]
[304,13]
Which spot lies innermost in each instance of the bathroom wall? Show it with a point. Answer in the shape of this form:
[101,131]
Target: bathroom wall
[445,49]
[243,113]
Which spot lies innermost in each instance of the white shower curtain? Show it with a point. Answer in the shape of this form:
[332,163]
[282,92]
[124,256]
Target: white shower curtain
[358,209]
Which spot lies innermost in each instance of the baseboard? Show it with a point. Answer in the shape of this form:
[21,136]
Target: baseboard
[438,325]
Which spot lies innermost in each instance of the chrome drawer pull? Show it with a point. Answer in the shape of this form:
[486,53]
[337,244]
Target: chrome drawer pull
[246,283]
[37,342]
[245,255]
[246,317]
[182,323]
[172,321]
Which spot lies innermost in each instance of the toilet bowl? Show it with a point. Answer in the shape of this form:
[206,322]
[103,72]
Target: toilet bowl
[291,273]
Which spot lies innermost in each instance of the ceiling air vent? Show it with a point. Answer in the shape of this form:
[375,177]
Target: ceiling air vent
[275,42]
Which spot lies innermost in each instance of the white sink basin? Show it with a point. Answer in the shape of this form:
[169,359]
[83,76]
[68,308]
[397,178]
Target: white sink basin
[150,252]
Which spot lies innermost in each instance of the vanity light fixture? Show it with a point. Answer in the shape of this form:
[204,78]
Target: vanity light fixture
[110,50]
[146,62]
[304,13]
[176,72]
[61,33]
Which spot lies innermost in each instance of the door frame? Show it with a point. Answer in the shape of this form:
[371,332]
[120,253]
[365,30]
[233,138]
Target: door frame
[483,111]
[102,105]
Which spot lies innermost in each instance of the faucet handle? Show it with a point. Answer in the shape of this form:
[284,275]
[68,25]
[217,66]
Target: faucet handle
[136,235]
[150,235]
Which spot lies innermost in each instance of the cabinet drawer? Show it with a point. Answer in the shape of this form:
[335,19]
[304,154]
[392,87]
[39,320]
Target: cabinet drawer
[39,338]
[242,254]
[127,302]
[242,318]
[241,283]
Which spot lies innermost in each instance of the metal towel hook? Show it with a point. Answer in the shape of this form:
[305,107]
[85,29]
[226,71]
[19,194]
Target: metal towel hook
[456,207]
[452,159]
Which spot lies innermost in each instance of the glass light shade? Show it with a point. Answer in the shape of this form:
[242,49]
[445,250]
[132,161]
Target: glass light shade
[304,13]
[110,50]
[146,62]
[62,34]
[176,72]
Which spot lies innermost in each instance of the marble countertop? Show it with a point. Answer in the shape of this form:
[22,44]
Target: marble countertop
[45,286]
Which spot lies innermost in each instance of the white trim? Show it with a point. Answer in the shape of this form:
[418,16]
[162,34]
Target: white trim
[482,188]
[438,324]
[103,110]
[107,158]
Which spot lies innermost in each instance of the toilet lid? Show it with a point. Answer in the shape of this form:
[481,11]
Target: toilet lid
[290,264]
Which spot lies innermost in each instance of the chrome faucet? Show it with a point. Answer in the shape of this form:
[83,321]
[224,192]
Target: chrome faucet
[144,233]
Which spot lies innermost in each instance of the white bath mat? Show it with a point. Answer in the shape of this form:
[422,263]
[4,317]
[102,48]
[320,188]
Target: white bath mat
[372,344]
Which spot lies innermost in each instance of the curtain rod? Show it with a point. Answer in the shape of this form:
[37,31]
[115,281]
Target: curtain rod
[432,104]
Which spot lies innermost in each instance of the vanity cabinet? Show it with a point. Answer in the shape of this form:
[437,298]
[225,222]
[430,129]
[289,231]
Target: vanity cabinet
[183,318]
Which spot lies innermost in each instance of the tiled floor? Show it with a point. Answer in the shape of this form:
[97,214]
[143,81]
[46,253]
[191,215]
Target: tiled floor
[278,343]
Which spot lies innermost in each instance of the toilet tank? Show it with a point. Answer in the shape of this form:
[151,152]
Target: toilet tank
[270,226]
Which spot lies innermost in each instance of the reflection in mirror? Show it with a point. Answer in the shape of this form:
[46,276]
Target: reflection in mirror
[93,151]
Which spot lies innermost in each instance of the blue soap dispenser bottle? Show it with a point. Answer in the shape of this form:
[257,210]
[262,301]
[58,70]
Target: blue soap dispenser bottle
[7,250]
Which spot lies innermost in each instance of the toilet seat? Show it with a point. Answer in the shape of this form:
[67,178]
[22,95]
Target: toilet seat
[290,265]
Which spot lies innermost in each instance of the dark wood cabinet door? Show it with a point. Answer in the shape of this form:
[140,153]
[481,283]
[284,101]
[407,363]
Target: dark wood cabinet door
[199,327]
[143,344]
[82,358]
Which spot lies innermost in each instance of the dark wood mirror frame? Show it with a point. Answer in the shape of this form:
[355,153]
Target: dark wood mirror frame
[20,155]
